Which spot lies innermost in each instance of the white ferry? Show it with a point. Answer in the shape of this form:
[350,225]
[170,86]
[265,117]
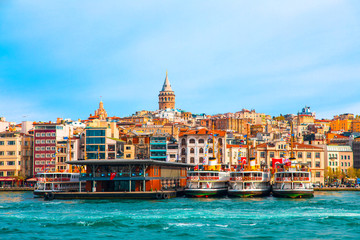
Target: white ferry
[209,182]
[58,182]
[252,183]
[293,181]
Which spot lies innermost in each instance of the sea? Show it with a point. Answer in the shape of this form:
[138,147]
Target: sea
[329,215]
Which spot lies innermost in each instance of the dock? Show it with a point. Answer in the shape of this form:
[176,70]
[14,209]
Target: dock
[111,195]
[16,189]
[335,189]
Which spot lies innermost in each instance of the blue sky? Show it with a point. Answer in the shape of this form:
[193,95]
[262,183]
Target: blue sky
[58,57]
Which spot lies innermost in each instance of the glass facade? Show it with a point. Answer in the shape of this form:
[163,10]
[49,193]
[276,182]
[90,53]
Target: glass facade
[95,140]
[95,133]
[95,148]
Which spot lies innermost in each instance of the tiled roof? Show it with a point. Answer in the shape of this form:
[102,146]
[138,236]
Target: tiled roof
[203,131]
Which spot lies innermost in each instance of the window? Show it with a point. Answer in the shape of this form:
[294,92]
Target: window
[183,151]
[192,140]
[342,157]
[43,134]
[53,134]
[192,150]
[48,134]
[317,174]
[201,160]
[262,154]
[317,164]
[37,134]
[201,150]
[128,148]
[201,140]
[210,150]
[11,153]
[11,142]
[1,163]
[1,142]
[1,153]
[183,142]
[272,154]
[1,174]
[308,155]
[317,155]
[300,155]
[11,163]
[192,160]
[9,174]
[309,164]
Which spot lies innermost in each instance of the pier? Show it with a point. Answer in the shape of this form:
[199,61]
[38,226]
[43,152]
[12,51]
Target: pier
[113,195]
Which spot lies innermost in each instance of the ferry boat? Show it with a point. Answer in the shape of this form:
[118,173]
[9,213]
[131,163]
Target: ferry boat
[211,181]
[252,183]
[293,181]
[49,182]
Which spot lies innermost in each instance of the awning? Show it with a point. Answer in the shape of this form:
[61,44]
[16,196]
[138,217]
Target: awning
[7,179]
[32,180]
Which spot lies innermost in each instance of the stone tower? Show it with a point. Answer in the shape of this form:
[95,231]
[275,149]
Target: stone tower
[166,96]
[101,112]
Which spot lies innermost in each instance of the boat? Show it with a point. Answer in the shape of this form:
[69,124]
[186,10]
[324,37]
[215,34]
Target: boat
[249,179]
[252,183]
[209,181]
[49,182]
[292,179]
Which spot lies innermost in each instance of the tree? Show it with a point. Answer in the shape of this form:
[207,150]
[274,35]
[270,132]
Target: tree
[351,172]
[329,174]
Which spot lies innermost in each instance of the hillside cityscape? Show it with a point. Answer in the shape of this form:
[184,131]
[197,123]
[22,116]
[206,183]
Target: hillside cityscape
[331,147]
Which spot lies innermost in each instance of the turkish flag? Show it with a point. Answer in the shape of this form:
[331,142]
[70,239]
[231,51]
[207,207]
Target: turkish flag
[243,160]
[112,175]
[276,161]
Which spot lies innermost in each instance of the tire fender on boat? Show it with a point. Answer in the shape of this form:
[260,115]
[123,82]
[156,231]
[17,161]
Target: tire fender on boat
[166,196]
[159,196]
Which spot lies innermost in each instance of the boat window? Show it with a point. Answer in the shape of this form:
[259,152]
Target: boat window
[247,174]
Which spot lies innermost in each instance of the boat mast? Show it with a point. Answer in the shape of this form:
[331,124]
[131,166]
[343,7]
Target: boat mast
[292,141]
[247,146]
[213,140]
[69,141]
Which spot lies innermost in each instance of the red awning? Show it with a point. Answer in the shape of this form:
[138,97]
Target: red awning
[7,179]
[32,180]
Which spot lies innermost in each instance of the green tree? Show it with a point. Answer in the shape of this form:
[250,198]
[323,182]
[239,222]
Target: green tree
[351,172]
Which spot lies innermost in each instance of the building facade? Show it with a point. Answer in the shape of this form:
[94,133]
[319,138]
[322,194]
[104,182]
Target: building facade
[10,157]
[314,156]
[196,146]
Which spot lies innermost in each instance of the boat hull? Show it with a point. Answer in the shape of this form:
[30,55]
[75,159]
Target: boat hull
[204,193]
[293,193]
[249,193]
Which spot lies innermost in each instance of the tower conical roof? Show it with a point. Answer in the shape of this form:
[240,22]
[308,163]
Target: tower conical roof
[166,86]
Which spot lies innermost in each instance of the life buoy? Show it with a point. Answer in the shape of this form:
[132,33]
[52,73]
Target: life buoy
[158,196]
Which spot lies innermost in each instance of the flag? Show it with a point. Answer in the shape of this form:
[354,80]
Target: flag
[112,175]
[276,161]
[242,160]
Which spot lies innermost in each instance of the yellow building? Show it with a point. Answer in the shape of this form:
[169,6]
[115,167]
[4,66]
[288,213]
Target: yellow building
[10,157]
[341,125]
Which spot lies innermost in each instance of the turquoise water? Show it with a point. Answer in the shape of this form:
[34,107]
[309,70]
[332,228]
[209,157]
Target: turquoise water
[330,215]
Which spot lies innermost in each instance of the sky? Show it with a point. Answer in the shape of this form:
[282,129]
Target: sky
[59,58]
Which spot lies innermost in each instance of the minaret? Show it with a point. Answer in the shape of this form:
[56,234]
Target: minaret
[166,96]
